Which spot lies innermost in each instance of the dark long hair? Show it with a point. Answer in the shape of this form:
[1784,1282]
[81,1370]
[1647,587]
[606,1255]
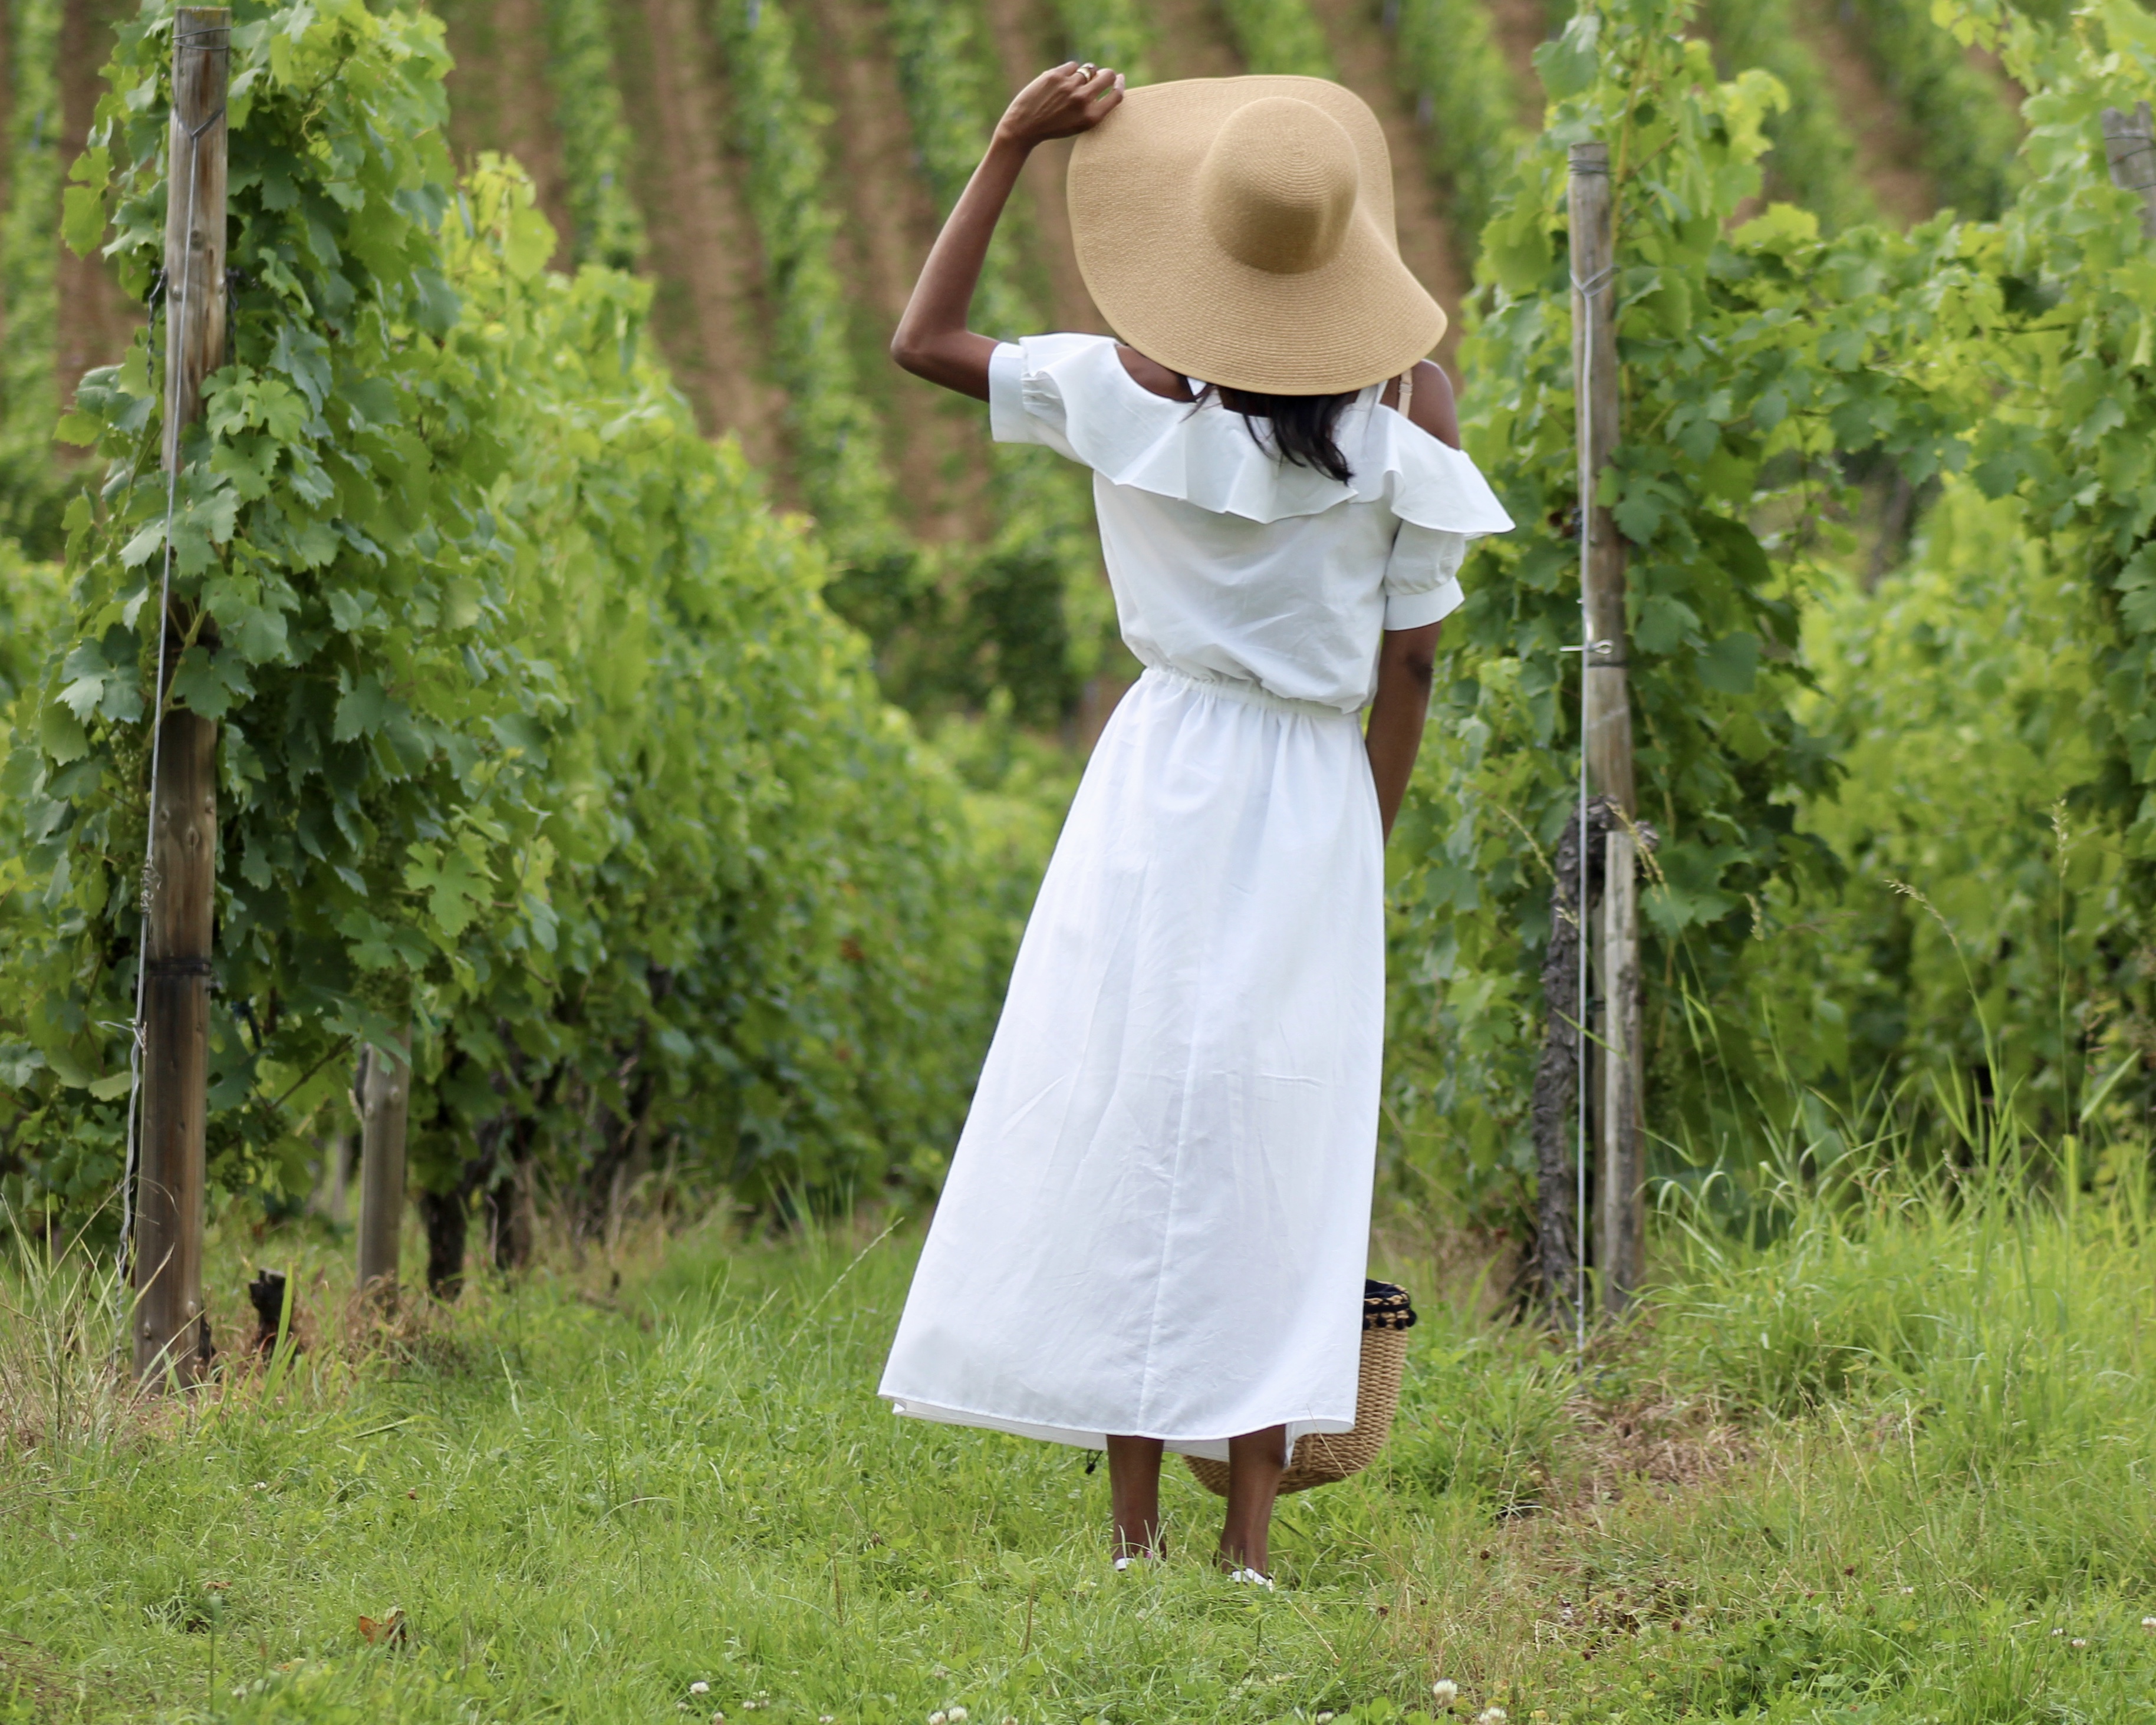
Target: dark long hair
[1298,429]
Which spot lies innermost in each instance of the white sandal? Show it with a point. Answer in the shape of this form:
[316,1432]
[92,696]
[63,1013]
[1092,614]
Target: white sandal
[1252,1578]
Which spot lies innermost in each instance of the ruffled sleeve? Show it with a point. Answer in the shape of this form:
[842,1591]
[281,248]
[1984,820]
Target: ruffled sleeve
[1018,414]
[1422,577]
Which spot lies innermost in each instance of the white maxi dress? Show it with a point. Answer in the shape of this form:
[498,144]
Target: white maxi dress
[1157,1219]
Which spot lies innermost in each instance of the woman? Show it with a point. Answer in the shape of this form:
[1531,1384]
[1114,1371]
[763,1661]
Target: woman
[1154,1231]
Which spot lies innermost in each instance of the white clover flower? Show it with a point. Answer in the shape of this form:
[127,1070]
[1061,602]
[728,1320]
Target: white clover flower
[939,1717]
[719,1717]
[700,1687]
[2148,1623]
[1325,1719]
[1491,1716]
[2078,1641]
[957,1716]
[826,1719]
[1445,1690]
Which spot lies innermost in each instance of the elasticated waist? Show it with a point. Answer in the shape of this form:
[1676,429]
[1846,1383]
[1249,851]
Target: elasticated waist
[1247,694]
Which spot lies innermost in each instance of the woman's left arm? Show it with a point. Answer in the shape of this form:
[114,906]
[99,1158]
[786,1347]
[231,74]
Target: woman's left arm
[1405,664]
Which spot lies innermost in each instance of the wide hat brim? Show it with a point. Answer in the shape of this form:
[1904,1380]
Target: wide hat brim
[1170,290]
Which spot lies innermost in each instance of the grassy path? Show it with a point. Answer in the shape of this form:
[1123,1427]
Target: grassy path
[582,1499]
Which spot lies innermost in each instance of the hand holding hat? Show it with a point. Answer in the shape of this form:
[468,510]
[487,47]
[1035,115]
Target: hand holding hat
[1063,101]
[933,339]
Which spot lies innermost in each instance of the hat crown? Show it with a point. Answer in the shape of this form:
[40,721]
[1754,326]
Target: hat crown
[1278,185]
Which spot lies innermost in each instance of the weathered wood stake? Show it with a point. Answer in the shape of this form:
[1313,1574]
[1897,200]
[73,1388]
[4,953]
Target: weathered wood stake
[2129,145]
[386,1097]
[1553,1111]
[171,1334]
[1622,1226]
[1620,1171]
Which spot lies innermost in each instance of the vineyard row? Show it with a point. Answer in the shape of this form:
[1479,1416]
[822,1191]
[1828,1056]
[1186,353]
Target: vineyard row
[1020,608]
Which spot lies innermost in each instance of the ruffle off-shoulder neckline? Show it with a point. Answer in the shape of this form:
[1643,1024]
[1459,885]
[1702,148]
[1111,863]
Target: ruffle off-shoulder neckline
[1208,456]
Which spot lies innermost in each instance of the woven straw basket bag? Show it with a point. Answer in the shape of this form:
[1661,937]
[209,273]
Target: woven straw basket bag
[1322,1457]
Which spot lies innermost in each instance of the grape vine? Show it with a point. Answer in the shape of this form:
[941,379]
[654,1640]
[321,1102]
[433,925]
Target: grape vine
[1813,160]
[534,732]
[1110,32]
[2071,440]
[1750,363]
[1042,604]
[1466,96]
[1279,36]
[837,444]
[1968,132]
[30,500]
[595,143]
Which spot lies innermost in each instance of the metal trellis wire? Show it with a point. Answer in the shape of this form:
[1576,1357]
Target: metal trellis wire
[1587,649]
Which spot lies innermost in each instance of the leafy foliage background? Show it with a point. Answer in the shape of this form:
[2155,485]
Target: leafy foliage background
[541,732]
[1768,367]
[534,729]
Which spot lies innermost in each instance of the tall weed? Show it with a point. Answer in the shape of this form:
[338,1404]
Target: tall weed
[2005,1320]
[61,1380]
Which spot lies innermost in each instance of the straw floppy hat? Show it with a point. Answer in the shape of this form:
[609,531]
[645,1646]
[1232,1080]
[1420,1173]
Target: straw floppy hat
[1239,231]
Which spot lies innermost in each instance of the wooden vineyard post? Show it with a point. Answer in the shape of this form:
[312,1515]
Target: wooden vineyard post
[1621,1224]
[385,1107]
[170,1330]
[2129,145]
[1623,1192]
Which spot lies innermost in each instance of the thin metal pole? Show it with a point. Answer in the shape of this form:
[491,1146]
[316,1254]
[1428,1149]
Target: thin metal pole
[1584,291]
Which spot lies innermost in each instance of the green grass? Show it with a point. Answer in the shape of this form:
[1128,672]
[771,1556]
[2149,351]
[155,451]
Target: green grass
[1862,1475]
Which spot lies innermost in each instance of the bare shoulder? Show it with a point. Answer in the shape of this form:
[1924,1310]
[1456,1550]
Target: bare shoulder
[1152,376]
[1433,406]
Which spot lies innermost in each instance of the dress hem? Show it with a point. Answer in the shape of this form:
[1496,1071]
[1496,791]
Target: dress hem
[1216,1448]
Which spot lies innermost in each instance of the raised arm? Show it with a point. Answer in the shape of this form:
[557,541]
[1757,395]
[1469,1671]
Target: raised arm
[933,339]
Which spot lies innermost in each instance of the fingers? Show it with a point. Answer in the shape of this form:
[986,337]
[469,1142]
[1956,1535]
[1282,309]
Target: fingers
[1067,98]
[1100,89]
[1084,78]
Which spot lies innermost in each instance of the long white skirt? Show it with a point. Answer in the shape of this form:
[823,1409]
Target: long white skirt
[1157,1221]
